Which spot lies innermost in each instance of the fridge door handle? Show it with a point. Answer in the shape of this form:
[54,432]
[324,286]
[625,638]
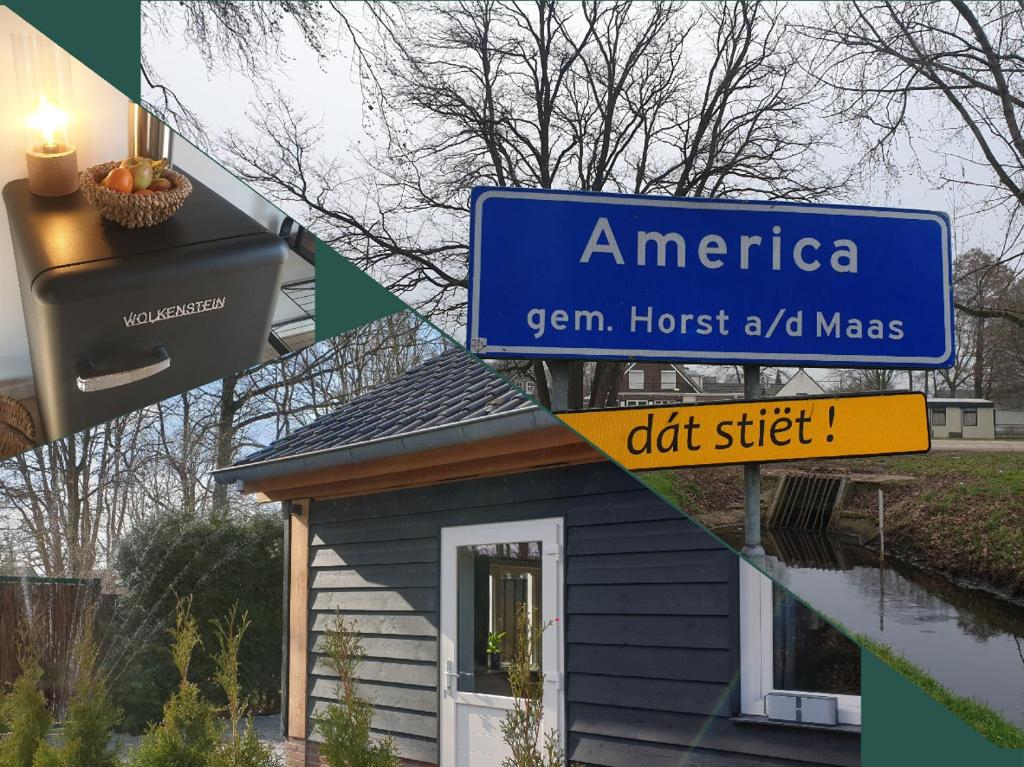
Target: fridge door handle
[91,379]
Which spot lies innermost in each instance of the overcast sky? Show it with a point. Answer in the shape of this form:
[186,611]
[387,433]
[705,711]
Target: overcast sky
[330,91]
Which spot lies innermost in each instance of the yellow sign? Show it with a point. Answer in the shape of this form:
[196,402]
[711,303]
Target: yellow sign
[758,431]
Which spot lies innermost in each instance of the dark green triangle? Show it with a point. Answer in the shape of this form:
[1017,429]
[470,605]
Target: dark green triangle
[346,297]
[106,37]
[904,726]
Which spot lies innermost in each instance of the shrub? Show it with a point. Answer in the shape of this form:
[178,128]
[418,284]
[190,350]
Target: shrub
[221,562]
[345,725]
[246,751]
[522,725]
[241,750]
[190,731]
[26,718]
[91,717]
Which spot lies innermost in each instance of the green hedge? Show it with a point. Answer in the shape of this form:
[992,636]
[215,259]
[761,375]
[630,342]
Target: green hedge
[219,561]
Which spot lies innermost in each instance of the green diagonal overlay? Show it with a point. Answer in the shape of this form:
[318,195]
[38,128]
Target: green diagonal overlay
[105,36]
[904,726]
[346,297]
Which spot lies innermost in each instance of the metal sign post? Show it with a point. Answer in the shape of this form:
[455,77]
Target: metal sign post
[559,390]
[752,476]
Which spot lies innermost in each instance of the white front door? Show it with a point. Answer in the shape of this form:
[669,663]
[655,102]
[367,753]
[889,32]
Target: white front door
[488,572]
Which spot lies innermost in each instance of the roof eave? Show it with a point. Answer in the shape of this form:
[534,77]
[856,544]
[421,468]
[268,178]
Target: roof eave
[464,432]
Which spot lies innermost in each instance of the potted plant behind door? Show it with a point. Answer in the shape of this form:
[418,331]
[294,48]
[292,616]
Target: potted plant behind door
[494,642]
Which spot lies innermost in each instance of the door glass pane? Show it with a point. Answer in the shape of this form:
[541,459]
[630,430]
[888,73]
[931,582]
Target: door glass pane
[494,581]
[809,655]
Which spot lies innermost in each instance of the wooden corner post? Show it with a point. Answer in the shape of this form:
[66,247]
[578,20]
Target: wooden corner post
[298,619]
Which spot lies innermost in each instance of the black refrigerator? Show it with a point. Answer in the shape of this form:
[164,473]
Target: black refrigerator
[121,318]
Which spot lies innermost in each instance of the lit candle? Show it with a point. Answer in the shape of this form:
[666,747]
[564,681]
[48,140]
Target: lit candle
[47,120]
[44,79]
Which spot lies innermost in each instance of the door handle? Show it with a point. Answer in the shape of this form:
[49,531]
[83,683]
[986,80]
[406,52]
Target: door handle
[451,678]
[91,378]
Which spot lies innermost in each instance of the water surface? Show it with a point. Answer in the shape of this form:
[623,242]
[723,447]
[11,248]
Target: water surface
[969,640]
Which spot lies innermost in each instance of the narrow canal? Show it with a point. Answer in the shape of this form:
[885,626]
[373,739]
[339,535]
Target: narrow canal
[969,640]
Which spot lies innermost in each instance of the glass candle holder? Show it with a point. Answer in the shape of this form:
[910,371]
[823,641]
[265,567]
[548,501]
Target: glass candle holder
[43,73]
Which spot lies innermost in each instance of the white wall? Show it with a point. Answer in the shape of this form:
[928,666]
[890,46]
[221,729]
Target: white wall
[100,133]
[955,424]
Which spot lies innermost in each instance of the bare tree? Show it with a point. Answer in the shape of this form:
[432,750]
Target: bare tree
[982,279]
[1007,366]
[870,379]
[229,36]
[70,495]
[959,376]
[960,64]
[74,499]
[644,98]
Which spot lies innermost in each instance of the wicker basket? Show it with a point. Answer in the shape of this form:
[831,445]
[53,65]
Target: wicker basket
[17,429]
[133,210]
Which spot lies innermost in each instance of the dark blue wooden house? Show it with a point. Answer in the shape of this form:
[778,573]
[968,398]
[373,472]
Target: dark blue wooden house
[428,511]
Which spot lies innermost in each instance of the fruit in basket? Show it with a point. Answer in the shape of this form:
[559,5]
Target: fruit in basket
[120,180]
[145,172]
[142,173]
[143,191]
[161,185]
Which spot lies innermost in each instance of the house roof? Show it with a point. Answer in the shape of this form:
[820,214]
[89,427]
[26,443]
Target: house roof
[453,397]
[800,382]
[690,386]
[736,387]
[958,401]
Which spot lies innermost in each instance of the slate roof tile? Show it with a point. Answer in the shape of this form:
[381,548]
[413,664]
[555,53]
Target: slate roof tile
[448,389]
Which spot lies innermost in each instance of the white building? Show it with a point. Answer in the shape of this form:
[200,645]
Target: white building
[800,385]
[961,418]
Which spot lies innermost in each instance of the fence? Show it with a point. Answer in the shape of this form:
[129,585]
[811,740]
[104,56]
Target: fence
[48,613]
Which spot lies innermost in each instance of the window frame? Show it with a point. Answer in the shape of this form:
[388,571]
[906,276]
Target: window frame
[756,647]
[937,411]
[639,385]
[673,384]
[963,417]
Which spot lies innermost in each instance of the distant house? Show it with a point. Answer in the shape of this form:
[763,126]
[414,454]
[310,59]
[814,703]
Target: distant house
[657,383]
[666,383]
[961,418]
[800,385]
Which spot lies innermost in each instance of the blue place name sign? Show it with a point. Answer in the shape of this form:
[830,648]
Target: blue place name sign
[610,276]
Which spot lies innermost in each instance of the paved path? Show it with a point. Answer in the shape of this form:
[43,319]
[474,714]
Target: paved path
[268,728]
[979,445]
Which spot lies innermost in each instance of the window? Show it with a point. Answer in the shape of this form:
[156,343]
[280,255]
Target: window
[668,379]
[636,379]
[970,418]
[786,647]
[530,387]
[495,581]
[938,416]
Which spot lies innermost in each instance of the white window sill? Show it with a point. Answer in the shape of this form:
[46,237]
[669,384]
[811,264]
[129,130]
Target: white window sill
[763,721]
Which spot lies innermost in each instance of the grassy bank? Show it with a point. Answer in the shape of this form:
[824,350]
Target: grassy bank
[982,718]
[963,514]
[957,513]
